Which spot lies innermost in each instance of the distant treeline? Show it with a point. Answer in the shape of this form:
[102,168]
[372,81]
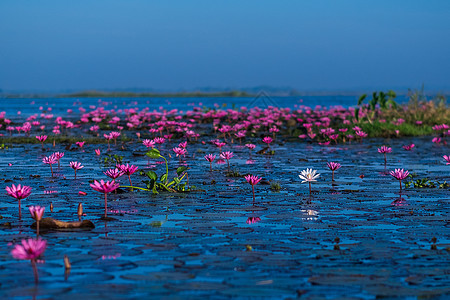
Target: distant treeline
[100,94]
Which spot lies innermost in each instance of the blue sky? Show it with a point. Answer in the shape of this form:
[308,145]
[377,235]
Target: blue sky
[173,45]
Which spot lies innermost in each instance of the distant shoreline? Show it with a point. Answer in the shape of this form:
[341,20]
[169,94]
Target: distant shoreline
[99,94]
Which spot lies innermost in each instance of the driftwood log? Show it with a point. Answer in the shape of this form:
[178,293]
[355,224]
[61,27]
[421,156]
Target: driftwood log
[50,223]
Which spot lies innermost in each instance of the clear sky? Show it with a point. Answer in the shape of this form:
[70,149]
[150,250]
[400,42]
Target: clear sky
[171,45]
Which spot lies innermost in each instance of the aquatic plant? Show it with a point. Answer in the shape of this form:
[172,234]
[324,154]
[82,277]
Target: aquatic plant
[58,156]
[97,152]
[227,155]
[447,158]
[253,180]
[179,151]
[210,158]
[50,160]
[399,174]
[30,249]
[309,175]
[114,135]
[408,147]
[163,184]
[41,138]
[128,170]
[275,186]
[250,147]
[36,213]
[19,192]
[384,150]
[148,143]
[333,166]
[114,173]
[75,165]
[80,144]
[267,140]
[104,187]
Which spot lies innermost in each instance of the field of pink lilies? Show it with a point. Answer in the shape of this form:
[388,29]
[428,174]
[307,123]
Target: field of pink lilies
[308,202]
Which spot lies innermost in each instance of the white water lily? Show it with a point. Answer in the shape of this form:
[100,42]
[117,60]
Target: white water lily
[309,175]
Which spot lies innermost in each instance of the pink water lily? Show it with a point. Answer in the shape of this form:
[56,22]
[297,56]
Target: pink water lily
[399,174]
[104,187]
[75,165]
[128,170]
[36,213]
[19,192]
[333,166]
[227,155]
[30,249]
[210,158]
[447,158]
[253,180]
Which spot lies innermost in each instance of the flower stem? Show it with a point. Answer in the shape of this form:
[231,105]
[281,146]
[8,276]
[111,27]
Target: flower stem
[37,229]
[36,275]
[106,207]
[332,175]
[20,211]
[253,190]
[51,169]
[309,187]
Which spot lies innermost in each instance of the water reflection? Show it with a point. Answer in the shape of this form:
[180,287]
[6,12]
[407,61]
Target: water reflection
[400,201]
[310,214]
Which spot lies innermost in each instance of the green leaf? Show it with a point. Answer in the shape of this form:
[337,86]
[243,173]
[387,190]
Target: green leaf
[163,177]
[152,175]
[181,170]
[153,153]
[357,113]
[361,99]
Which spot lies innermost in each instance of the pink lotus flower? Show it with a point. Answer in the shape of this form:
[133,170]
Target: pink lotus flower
[384,150]
[267,140]
[36,213]
[220,145]
[80,144]
[114,135]
[104,187]
[97,151]
[250,146]
[76,166]
[19,192]
[253,220]
[148,143]
[408,147]
[113,173]
[159,140]
[436,140]
[447,158]
[210,158]
[41,138]
[129,170]
[179,151]
[253,180]
[333,166]
[361,134]
[399,174]
[227,155]
[50,160]
[30,249]
[58,156]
